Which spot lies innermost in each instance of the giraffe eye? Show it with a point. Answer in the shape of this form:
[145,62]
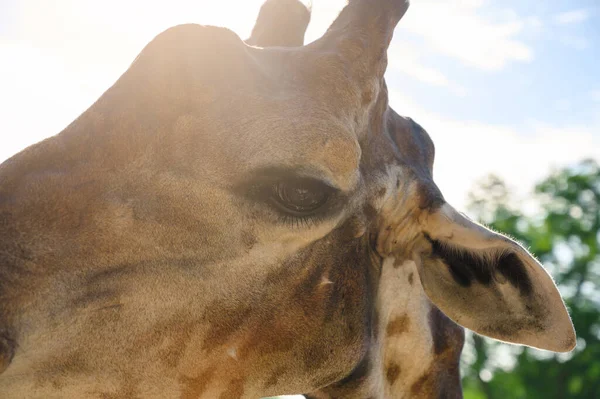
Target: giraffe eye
[300,197]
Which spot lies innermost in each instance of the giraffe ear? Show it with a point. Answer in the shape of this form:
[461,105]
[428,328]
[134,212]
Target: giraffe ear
[490,284]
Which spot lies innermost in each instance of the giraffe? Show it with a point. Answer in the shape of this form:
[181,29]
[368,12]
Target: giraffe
[417,364]
[236,221]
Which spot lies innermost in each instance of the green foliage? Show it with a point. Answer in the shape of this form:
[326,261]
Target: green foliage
[562,227]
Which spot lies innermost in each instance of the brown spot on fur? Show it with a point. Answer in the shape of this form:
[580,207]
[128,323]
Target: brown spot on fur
[392,373]
[442,378]
[410,278]
[424,387]
[234,391]
[173,352]
[274,378]
[398,326]
[398,262]
[194,387]
[248,239]
[222,329]
[367,96]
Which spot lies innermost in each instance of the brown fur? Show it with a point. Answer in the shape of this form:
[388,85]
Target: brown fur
[392,373]
[398,326]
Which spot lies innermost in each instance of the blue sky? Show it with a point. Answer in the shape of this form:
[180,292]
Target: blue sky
[506,87]
[555,81]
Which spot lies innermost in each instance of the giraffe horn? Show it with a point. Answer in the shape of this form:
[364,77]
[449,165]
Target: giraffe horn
[362,33]
[280,23]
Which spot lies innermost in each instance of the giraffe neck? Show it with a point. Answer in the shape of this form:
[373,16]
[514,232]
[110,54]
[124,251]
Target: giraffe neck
[420,345]
[406,340]
[417,350]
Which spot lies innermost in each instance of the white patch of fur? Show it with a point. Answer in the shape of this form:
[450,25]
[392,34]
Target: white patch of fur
[325,281]
[232,353]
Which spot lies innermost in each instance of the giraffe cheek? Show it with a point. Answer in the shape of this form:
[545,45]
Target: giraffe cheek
[403,218]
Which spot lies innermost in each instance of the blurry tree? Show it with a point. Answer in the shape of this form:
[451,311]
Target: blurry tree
[561,225]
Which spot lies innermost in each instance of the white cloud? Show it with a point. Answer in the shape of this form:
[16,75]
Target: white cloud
[562,104]
[71,19]
[41,94]
[467,150]
[565,35]
[572,17]
[459,30]
[534,23]
[404,58]
[575,42]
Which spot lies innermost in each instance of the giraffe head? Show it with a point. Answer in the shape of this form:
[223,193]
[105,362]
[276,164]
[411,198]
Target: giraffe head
[221,222]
